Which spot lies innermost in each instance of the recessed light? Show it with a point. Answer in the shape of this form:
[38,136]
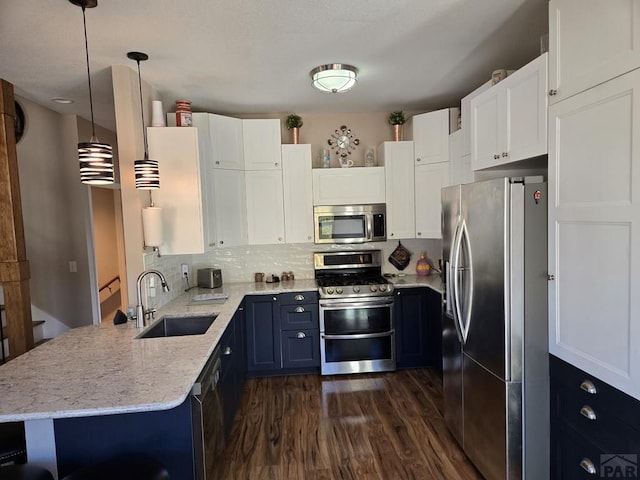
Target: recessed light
[62,100]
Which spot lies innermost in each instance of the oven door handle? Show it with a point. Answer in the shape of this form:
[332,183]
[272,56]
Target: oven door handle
[345,305]
[358,336]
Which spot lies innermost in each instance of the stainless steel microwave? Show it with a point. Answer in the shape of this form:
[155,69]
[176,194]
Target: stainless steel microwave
[350,223]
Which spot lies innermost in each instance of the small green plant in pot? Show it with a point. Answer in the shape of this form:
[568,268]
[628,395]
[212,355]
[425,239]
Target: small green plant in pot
[396,120]
[294,122]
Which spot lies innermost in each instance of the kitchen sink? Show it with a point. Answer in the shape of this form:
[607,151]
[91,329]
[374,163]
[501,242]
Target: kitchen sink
[169,326]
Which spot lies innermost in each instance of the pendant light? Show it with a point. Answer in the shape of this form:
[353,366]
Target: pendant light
[96,158]
[146,170]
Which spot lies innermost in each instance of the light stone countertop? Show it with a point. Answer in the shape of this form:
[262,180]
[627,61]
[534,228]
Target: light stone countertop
[102,369]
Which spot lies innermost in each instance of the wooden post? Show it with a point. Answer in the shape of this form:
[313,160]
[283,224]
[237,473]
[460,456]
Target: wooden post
[14,267]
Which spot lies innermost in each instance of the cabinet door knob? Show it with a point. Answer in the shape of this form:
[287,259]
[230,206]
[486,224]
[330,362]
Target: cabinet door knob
[279,239]
[551,277]
[392,234]
[419,233]
[553,92]
[308,237]
[300,335]
[588,412]
[588,466]
[418,159]
[217,162]
[227,351]
[221,242]
[299,309]
[299,297]
[505,154]
[589,387]
[275,299]
[496,157]
[276,164]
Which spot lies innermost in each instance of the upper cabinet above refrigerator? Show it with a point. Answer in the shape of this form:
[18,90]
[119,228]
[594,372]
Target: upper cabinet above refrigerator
[590,42]
[509,121]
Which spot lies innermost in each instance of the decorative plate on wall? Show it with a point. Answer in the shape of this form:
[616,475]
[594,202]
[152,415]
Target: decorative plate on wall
[19,122]
[342,141]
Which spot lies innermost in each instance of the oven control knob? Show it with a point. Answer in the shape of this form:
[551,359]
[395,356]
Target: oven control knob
[329,290]
[383,288]
[373,288]
[356,289]
[338,290]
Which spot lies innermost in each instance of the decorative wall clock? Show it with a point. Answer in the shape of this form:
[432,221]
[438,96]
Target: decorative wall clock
[342,141]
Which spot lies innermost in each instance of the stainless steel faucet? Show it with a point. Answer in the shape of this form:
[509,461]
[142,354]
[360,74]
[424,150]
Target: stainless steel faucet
[141,313]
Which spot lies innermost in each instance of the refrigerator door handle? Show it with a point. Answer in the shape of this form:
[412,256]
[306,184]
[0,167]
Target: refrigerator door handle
[455,279]
[467,278]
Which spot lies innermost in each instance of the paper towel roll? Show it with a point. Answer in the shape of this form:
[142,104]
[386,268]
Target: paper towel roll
[152,226]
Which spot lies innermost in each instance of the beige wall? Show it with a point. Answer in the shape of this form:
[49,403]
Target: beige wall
[105,238]
[130,147]
[56,212]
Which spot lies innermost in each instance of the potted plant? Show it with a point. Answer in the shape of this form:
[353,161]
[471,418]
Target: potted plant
[294,122]
[396,120]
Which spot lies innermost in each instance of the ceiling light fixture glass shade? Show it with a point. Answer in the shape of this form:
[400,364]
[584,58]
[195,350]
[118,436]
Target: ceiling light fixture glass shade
[147,171]
[334,77]
[95,157]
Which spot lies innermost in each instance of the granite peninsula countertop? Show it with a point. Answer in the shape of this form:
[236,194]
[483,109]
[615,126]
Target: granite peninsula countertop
[103,369]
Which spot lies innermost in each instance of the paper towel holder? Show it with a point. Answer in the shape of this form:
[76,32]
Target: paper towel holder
[152,227]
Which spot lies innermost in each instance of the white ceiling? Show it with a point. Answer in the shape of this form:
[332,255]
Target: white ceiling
[254,56]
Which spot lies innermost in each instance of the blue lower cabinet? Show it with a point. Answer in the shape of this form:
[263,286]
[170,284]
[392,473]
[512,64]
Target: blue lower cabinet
[233,368]
[301,348]
[410,316]
[262,321]
[418,324]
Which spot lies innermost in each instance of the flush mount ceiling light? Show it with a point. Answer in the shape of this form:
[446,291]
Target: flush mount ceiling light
[146,171]
[334,77]
[96,158]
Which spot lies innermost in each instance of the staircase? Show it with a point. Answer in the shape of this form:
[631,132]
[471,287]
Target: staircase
[38,336]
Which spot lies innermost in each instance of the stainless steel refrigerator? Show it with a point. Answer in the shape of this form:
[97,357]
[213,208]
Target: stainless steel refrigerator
[495,355]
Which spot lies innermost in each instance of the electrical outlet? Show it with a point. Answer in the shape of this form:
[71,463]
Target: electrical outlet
[185,270]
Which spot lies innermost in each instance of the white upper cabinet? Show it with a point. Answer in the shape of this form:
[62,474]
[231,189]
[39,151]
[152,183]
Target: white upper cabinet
[397,158]
[594,229]
[430,132]
[202,207]
[261,139]
[344,186]
[298,198]
[186,208]
[265,207]
[590,42]
[226,142]
[465,112]
[429,180]
[230,209]
[509,121]
[459,166]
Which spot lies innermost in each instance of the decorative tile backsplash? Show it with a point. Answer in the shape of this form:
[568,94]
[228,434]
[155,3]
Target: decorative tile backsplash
[238,264]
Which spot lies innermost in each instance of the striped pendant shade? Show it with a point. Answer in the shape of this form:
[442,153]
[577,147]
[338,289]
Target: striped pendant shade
[96,163]
[147,174]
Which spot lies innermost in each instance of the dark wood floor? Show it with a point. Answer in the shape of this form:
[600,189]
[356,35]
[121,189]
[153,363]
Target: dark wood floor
[374,426]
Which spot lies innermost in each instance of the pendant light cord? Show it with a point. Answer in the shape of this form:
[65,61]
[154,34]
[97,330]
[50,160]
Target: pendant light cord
[144,130]
[86,50]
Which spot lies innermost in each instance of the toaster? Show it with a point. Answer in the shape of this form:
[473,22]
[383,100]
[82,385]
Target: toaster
[209,277]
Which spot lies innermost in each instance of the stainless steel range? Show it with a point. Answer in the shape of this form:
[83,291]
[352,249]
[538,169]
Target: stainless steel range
[356,313]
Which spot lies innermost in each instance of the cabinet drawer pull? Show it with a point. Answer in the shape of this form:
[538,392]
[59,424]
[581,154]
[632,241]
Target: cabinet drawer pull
[589,387]
[299,298]
[301,335]
[588,412]
[227,351]
[553,92]
[299,309]
[588,466]
[496,157]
